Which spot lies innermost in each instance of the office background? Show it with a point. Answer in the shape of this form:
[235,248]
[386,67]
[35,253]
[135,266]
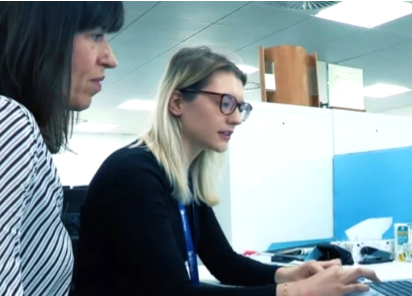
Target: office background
[296,173]
[293,173]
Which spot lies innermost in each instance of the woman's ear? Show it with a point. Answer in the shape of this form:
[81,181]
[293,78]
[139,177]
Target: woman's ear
[175,103]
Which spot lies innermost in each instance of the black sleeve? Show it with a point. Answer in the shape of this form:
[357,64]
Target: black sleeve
[226,265]
[146,244]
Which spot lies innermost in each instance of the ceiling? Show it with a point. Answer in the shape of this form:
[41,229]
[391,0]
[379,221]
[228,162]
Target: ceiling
[154,31]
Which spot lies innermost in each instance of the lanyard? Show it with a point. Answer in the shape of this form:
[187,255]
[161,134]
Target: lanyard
[191,254]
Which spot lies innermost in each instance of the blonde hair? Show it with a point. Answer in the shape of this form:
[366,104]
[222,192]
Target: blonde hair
[188,68]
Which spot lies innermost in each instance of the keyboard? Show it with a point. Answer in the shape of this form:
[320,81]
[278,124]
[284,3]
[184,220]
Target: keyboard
[394,288]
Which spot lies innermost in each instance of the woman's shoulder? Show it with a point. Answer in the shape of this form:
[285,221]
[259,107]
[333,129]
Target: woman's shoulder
[12,109]
[20,124]
[128,167]
[132,158]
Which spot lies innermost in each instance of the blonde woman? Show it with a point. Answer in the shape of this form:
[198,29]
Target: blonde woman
[149,207]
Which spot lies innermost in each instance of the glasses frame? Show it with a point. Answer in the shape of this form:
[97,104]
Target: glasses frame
[239,106]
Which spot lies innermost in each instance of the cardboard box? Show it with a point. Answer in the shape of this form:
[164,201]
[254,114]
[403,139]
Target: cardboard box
[403,242]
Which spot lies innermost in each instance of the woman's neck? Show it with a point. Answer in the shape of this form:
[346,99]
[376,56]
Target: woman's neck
[191,151]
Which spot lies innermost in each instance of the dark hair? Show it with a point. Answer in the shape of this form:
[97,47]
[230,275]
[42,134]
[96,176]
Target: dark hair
[36,46]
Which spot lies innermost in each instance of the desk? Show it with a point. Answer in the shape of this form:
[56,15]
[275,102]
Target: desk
[385,271]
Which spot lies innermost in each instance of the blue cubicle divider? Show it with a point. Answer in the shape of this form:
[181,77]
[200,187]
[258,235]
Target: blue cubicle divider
[372,185]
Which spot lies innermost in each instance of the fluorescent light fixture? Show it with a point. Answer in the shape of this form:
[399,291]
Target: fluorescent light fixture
[144,105]
[367,14]
[383,90]
[270,83]
[94,127]
[247,69]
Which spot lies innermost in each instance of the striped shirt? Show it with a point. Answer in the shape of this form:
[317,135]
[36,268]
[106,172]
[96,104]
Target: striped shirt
[35,249]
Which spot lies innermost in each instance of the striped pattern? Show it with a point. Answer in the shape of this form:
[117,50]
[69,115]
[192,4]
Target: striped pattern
[35,249]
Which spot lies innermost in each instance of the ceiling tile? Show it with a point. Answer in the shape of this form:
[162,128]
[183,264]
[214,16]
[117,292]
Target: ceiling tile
[315,30]
[140,84]
[401,26]
[373,62]
[135,47]
[231,37]
[249,57]
[172,28]
[262,18]
[401,52]
[357,44]
[391,66]
[199,11]
[138,7]
[132,51]
[400,78]
[133,10]
[283,39]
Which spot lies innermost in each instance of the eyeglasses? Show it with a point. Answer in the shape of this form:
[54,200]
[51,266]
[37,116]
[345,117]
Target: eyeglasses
[228,103]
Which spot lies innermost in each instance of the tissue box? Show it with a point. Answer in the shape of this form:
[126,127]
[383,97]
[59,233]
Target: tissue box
[403,242]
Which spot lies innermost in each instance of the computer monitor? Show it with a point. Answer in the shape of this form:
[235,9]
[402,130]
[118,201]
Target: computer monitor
[72,203]
[73,198]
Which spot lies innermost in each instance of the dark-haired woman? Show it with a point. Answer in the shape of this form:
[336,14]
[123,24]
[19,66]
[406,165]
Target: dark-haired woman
[53,56]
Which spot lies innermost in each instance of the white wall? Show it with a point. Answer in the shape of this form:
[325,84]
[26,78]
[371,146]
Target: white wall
[360,132]
[223,210]
[281,176]
[405,111]
[91,150]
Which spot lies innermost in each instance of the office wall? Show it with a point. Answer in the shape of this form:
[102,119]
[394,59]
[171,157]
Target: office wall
[90,150]
[281,176]
[223,210]
[282,172]
[355,132]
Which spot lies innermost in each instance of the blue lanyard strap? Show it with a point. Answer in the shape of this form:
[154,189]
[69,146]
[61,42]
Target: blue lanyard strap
[191,254]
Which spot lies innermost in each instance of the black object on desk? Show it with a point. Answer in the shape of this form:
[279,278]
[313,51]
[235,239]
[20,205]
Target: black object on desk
[331,251]
[372,255]
[283,258]
[327,251]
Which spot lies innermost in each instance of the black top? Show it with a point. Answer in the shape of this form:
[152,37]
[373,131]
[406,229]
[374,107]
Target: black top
[132,240]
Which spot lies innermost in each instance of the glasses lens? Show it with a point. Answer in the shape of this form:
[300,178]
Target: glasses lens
[245,110]
[228,104]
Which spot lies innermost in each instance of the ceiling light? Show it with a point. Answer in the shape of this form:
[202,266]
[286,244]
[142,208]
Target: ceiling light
[366,14]
[145,105]
[247,69]
[94,127]
[383,90]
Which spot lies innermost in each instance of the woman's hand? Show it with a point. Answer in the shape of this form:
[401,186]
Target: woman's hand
[304,271]
[334,281]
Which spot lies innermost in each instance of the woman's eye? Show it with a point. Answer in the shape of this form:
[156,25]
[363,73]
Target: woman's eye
[97,37]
